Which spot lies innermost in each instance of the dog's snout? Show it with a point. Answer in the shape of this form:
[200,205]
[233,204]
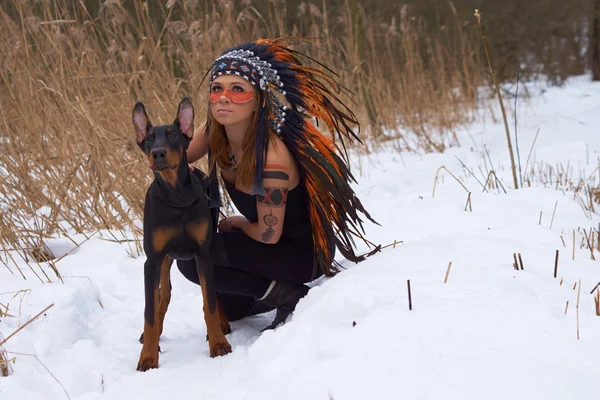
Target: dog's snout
[159,154]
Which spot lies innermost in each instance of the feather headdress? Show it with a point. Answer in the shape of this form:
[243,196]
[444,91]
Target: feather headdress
[273,67]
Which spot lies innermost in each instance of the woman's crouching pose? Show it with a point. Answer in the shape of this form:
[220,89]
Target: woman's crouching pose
[288,180]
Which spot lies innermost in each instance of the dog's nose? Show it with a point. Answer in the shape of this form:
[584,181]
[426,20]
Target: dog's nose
[159,154]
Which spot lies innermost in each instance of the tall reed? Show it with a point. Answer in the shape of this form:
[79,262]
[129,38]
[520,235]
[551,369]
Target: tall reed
[69,79]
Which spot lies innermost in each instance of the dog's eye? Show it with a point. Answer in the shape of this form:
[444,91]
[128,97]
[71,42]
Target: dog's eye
[150,138]
[171,136]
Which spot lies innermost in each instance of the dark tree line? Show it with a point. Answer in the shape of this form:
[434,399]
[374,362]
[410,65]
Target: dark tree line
[555,38]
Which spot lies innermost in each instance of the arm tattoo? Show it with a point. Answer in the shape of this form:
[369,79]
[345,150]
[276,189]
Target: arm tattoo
[269,220]
[276,175]
[274,197]
[276,171]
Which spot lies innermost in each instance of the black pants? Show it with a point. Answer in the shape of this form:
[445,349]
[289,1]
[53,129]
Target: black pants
[244,268]
[249,267]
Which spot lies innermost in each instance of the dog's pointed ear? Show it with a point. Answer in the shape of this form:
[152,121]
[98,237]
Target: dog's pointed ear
[141,122]
[185,117]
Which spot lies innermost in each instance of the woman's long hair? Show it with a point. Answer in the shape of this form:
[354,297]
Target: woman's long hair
[218,142]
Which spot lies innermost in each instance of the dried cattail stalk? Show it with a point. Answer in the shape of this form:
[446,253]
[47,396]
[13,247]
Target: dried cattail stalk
[468,203]
[448,271]
[496,85]
[515,263]
[409,295]
[531,148]
[590,244]
[4,362]
[573,244]
[393,245]
[556,264]
[578,296]
[566,307]
[553,213]
[521,262]
[451,174]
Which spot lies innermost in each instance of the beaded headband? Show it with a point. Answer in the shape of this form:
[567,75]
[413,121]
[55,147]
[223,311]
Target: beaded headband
[245,64]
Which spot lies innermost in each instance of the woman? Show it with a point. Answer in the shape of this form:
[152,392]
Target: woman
[281,173]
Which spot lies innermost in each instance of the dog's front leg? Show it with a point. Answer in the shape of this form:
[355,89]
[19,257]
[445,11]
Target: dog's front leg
[149,354]
[164,291]
[219,346]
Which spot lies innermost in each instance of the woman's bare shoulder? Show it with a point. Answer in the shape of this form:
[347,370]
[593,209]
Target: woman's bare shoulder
[278,153]
[279,158]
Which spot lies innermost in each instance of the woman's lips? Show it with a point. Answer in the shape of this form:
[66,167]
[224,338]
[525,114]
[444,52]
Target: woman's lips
[223,111]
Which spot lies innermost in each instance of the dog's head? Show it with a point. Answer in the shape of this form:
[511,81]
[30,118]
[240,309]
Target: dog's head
[164,145]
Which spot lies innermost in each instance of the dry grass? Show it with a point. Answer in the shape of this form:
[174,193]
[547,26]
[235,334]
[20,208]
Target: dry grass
[27,323]
[68,81]
[585,188]
[497,87]
[5,367]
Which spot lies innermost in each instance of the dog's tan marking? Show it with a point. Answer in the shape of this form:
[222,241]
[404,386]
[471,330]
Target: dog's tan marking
[161,236]
[149,354]
[198,231]
[218,344]
[173,159]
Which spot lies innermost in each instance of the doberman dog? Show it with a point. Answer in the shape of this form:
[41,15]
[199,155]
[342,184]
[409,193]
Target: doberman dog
[178,225]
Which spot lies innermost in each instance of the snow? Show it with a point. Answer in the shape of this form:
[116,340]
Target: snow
[490,332]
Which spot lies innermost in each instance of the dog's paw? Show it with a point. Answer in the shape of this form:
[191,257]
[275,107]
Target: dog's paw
[147,361]
[220,349]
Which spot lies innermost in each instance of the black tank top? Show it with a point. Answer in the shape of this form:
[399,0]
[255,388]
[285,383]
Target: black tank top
[297,227]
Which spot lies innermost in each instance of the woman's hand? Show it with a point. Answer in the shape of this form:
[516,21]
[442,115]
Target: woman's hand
[231,223]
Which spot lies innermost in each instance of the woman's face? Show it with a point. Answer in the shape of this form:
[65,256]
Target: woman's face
[232,99]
